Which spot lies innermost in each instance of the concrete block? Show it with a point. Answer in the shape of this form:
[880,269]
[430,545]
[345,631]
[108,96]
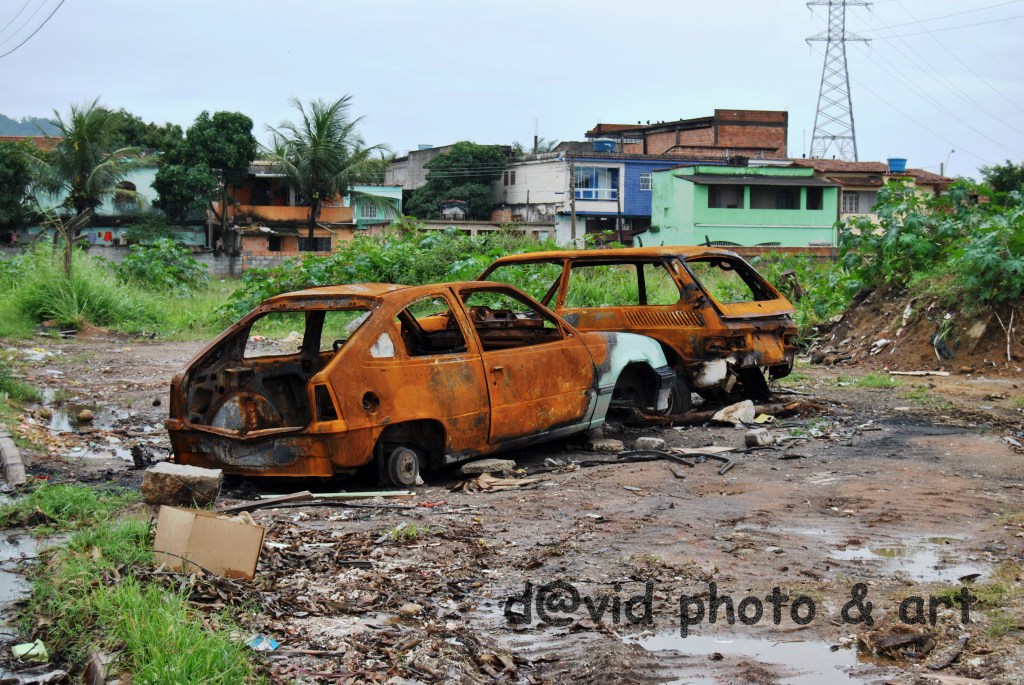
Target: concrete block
[176,484]
[605,445]
[479,466]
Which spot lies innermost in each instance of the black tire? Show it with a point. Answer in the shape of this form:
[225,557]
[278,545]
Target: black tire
[403,466]
[679,398]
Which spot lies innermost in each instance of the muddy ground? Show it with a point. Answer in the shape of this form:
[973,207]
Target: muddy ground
[907,490]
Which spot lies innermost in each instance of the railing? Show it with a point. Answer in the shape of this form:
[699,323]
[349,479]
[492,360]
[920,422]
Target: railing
[597,193]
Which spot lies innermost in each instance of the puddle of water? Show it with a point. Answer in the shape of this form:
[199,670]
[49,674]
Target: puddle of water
[65,418]
[809,662]
[14,585]
[930,559]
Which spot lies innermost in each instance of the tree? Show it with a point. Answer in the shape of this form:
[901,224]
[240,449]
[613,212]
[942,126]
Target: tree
[1004,178]
[543,145]
[464,172]
[324,156]
[15,180]
[131,131]
[85,167]
[83,162]
[214,156]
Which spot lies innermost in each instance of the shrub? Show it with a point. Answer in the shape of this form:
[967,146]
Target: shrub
[163,266]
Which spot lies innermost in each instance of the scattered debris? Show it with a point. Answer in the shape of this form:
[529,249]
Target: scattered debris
[265,502]
[922,373]
[177,484]
[31,651]
[40,675]
[10,460]
[262,643]
[485,482]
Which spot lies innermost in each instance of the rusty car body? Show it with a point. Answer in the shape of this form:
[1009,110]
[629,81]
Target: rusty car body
[330,379]
[721,324]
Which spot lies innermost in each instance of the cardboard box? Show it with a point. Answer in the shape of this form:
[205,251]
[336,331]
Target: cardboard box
[224,546]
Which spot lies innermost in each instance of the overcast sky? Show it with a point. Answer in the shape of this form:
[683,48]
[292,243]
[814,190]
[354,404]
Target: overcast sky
[438,72]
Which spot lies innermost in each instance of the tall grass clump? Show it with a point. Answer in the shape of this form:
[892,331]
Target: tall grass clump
[92,294]
[828,287]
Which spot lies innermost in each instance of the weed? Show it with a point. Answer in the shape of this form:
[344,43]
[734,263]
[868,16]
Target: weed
[17,390]
[877,380]
[63,507]
[407,532]
[1017,402]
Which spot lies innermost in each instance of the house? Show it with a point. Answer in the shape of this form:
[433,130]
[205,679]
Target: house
[742,206]
[268,217]
[756,134]
[860,181]
[410,170]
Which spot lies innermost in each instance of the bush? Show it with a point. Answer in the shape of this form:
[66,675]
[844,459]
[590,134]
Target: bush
[961,233]
[828,286]
[163,266]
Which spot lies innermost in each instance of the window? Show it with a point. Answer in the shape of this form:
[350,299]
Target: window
[277,334]
[509,178]
[645,181]
[815,198]
[619,285]
[503,320]
[597,183]
[274,243]
[539,280]
[319,244]
[368,211]
[769,197]
[725,197]
[728,281]
[851,202]
[427,327]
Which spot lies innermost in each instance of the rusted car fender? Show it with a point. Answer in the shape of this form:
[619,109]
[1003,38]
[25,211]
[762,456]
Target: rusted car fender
[628,356]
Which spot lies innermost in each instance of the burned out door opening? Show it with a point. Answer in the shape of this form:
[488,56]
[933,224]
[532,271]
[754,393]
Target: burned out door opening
[256,380]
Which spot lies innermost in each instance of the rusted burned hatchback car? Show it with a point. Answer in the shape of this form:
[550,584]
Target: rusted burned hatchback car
[329,379]
[721,324]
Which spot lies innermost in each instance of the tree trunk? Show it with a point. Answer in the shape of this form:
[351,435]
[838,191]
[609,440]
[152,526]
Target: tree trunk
[314,214]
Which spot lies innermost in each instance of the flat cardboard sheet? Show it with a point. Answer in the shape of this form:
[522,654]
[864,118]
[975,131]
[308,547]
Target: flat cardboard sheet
[222,546]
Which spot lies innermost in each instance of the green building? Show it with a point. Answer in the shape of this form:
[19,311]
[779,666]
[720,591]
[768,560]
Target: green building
[774,206]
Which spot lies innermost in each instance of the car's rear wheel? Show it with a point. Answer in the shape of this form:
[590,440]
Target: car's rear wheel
[403,466]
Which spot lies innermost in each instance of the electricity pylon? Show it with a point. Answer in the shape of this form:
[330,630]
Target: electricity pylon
[833,123]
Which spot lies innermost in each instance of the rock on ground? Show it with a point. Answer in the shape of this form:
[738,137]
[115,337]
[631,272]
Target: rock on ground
[176,484]
[479,466]
[605,445]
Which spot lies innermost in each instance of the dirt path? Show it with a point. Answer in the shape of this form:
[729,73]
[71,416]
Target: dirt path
[905,489]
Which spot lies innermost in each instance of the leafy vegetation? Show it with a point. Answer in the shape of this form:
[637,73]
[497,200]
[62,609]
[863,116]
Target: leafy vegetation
[15,179]
[406,256]
[960,236]
[163,265]
[214,155]
[877,380]
[828,287]
[465,173]
[1004,178]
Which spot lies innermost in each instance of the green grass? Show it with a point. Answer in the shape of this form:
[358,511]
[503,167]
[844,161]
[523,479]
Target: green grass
[1017,402]
[877,380]
[84,596]
[407,532]
[63,507]
[16,390]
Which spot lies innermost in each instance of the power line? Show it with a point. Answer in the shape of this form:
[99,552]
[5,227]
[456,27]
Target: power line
[944,16]
[966,66]
[7,25]
[14,35]
[951,28]
[45,21]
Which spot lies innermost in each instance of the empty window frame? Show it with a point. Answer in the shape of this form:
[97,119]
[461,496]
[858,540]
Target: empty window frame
[725,197]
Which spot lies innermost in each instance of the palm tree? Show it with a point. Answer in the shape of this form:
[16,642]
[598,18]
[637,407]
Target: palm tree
[82,166]
[324,156]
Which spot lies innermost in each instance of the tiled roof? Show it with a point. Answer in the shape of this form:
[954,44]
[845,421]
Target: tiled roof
[40,142]
[839,166]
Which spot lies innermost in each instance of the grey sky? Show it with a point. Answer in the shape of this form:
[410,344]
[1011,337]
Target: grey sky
[484,71]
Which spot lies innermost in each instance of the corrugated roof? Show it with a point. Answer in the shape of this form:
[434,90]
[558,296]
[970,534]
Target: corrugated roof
[758,180]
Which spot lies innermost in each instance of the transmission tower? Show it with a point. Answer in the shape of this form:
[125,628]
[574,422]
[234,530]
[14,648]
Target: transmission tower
[833,123]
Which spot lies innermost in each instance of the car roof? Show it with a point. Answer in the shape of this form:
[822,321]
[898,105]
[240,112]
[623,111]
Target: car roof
[372,291]
[684,251]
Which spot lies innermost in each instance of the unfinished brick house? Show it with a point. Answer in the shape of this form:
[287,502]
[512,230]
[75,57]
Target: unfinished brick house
[755,134]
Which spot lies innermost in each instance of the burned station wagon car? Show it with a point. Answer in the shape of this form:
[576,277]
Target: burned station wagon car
[330,379]
[721,324]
